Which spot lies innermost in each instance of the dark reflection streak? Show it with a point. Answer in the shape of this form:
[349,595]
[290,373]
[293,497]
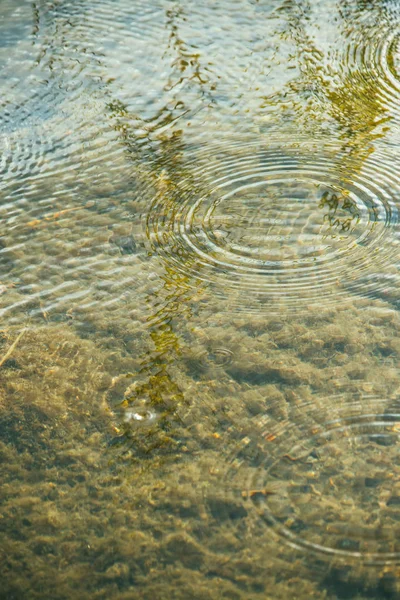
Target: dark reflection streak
[58,45]
[317,93]
[36,22]
[347,9]
[354,102]
[186,64]
[349,98]
[169,304]
[145,146]
[307,92]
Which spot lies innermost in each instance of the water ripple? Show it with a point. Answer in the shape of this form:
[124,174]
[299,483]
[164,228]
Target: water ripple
[326,481]
[295,223]
[372,55]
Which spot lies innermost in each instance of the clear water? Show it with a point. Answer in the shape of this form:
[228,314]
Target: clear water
[199,299]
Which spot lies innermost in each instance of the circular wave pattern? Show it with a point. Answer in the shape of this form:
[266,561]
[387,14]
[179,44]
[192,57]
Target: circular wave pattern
[139,414]
[218,357]
[373,63]
[329,486]
[294,225]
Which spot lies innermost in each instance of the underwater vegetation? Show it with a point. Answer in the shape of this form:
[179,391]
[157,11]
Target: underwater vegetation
[173,506]
[199,300]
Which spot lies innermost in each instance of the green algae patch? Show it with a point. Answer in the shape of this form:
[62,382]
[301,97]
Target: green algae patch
[166,507]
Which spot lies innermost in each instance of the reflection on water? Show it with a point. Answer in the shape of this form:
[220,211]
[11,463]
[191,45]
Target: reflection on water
[297,221]
[199,299]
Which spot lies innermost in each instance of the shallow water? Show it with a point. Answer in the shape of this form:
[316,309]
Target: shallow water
[199,299]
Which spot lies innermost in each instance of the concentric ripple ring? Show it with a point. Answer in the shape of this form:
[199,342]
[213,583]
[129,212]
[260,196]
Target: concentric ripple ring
[335,492]
[373,59]
[298,223]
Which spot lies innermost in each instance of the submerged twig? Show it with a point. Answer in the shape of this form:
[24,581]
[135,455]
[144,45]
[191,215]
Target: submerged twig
[11,348]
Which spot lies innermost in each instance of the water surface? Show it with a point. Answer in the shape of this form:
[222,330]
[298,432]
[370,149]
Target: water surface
[199,299]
